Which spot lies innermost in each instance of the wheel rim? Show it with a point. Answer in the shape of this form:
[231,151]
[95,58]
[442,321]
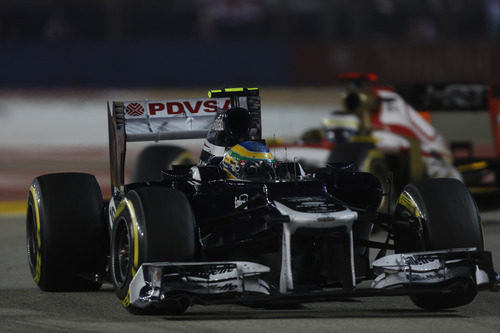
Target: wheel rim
[31,238]
[121,253]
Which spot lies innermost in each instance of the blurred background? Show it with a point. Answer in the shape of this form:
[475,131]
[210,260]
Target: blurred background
[62,60]
[193,43]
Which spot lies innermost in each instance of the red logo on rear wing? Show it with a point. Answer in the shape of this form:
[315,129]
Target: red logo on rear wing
[134,110]
[183,107]
[172,108]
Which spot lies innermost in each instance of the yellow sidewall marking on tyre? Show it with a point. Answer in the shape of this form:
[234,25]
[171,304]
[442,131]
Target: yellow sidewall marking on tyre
[407,201]
[38,264]
[126,301]
[128,204]
[133,217]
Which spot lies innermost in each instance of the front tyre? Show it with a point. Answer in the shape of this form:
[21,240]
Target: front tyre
[152,224]
[66,235]
[450,219]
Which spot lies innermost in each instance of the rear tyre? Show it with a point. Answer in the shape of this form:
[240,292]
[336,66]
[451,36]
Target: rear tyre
[152,224]
[66,234]
[450,219]
[155,158]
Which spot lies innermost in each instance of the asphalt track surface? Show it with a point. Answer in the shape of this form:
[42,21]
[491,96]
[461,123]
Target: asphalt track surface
[24,308]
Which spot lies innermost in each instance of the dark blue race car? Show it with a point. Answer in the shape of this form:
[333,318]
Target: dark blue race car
[241,227]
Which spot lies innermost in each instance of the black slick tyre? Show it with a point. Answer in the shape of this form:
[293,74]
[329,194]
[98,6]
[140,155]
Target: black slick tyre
[152,224]
[155,158]
[450,219]
[67,241]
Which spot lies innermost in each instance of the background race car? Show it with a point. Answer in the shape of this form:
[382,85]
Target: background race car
[380,132]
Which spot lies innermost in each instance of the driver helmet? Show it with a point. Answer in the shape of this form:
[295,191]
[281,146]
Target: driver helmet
[249,160]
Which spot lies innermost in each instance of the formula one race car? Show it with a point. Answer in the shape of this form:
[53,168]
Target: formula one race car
[379,132]
[242,227]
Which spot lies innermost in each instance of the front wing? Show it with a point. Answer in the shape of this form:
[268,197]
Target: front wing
[156,284]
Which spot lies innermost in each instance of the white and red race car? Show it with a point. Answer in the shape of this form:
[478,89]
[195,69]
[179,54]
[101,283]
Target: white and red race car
[379,132]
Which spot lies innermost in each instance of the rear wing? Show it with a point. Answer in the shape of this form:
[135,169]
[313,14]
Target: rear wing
[133,121]
[446,96]
[458,97]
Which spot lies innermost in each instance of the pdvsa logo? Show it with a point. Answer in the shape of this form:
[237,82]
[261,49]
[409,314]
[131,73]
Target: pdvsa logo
[134,109]
[164,108]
